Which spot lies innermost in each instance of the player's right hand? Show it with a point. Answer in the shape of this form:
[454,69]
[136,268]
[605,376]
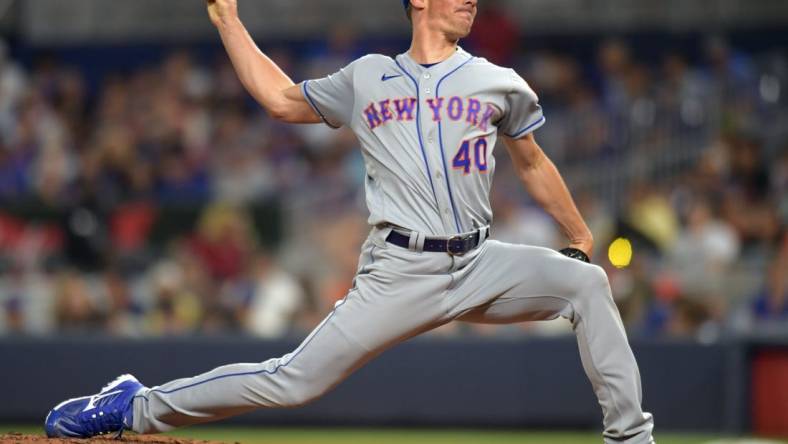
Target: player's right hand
[222,12]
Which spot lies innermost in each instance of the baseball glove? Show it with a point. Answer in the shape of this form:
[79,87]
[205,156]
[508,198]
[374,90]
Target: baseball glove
[574,253]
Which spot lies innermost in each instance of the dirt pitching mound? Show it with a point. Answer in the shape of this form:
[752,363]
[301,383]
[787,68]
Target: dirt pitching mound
[19,438]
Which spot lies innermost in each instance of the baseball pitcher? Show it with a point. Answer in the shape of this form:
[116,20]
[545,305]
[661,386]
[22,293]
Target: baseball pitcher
[427,121]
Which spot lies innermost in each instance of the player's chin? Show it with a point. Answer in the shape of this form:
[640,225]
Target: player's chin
[467,27]
[461,32]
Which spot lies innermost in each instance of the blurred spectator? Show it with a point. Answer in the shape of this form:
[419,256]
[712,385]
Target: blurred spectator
[130,227]
[224,241]
[684,93]
[340,48]
[180,182]
[614,63]
[86,240]
[177,309]
[704,251]
[633,293]
[522,224]
[11,302]
[748,204]
[339,235]
[13,85]
[732,76]
[277,299]
[76,310]
[495,35]
[124,316]
[241,174]
[771,305]
[651,216]
[779,177]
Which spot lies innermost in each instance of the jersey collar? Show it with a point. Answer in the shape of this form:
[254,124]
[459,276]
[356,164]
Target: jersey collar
[415,69]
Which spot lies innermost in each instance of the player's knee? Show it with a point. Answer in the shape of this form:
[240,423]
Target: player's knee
[598,277]
[302,395]
[593,283]
[303,388]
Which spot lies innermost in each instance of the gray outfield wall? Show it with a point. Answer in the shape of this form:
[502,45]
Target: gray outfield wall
[530,383]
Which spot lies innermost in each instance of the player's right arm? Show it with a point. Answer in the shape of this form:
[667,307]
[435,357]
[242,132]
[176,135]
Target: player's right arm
[261,77]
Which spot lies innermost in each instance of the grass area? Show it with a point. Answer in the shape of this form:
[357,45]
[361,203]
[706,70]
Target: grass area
[391,436]
[345,436]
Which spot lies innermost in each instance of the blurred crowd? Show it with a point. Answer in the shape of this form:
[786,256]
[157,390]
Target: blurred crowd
[685,156]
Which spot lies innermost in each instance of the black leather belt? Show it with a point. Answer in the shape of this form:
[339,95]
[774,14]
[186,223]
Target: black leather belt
[454,245]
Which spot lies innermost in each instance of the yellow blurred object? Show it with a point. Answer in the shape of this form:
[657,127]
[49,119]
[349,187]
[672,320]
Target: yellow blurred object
[620,252]
[655,218]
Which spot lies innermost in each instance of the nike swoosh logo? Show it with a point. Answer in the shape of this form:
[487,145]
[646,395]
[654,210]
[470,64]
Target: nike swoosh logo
[94,399]
[385,77]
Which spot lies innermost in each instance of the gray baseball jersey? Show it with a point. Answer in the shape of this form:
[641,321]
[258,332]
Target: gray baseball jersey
[427,135]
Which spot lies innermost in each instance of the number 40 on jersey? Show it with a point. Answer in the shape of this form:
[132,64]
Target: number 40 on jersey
[465,159]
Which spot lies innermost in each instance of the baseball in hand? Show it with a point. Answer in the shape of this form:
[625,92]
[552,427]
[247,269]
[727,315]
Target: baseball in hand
[221,11]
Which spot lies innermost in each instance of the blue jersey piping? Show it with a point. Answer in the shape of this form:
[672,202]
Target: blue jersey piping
[443,154]
[314,105]
[272,372]
[527,128]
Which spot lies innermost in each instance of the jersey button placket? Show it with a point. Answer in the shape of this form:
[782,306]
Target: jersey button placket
[434,153]
[425,84]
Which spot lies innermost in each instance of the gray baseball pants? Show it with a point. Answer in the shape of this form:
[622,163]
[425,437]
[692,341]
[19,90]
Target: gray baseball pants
[399,293]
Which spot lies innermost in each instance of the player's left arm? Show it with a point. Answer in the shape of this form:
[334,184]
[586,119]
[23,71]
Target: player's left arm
[545,184]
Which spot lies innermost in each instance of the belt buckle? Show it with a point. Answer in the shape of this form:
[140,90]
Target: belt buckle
[456,237]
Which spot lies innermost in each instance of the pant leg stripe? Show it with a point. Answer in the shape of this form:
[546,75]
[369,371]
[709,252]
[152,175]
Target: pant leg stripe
[295,355]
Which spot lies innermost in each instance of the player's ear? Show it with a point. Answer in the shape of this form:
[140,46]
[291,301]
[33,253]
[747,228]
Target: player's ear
[418,4]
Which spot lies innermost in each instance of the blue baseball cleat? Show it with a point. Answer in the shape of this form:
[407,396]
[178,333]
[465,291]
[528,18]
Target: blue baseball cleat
[106,412]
